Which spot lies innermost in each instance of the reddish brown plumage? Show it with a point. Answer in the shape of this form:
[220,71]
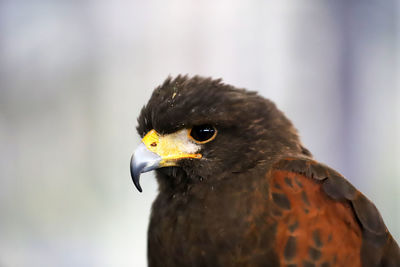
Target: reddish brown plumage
[313,215]
[344,225]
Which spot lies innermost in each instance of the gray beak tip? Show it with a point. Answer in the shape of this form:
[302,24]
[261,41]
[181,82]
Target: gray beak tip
[143,160]
[135,174]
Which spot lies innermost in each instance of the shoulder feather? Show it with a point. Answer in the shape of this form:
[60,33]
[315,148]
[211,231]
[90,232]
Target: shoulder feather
[379,248]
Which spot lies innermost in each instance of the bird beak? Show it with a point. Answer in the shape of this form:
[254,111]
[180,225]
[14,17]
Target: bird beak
[157,151]
[143,160]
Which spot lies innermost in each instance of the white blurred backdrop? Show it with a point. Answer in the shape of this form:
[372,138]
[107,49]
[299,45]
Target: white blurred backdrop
[74,75]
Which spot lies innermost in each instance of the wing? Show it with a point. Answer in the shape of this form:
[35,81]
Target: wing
[322,220]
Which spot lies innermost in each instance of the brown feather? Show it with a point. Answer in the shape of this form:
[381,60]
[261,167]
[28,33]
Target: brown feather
[349,210]
[327,232]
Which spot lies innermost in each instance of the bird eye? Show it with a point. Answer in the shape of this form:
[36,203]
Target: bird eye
[203,133]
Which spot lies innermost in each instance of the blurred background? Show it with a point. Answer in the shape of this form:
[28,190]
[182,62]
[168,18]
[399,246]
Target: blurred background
[74,76]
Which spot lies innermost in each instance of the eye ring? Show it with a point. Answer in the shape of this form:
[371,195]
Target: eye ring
[202,134]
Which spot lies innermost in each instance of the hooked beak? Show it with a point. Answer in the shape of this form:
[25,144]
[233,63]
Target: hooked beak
[143,160]
[157,151]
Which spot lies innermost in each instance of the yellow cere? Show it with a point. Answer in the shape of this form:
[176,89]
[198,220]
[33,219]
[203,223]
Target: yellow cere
[171,147]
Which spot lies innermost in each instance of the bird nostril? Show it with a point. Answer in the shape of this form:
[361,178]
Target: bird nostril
[153,144]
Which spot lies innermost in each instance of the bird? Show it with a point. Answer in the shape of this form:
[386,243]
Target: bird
[238,188]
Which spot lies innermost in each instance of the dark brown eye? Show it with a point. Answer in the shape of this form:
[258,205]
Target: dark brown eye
[203,133]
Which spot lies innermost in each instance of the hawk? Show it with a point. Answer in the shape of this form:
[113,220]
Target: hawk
[238,188]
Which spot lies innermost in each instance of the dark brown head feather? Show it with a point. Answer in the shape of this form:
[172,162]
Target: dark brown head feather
[250,128]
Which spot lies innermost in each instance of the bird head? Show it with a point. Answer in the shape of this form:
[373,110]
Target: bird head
[197,129]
